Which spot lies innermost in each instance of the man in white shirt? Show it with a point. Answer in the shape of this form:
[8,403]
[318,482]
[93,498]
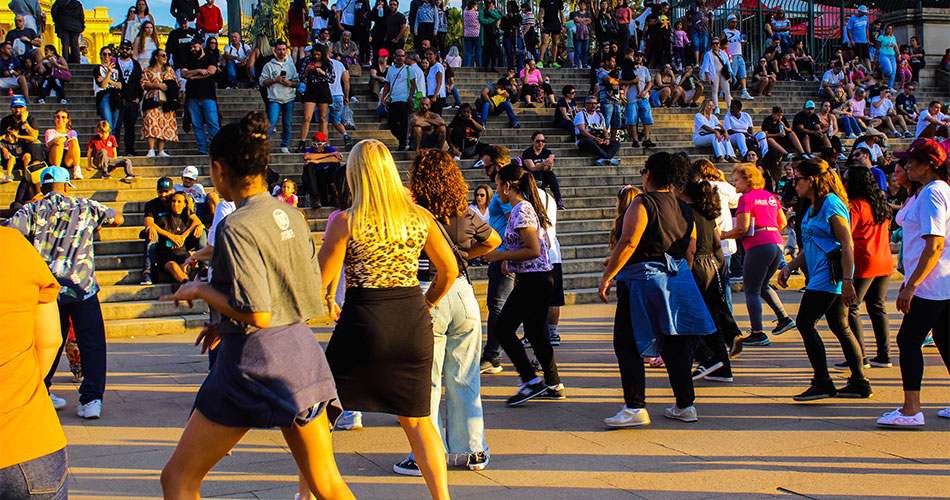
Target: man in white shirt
[834,84]
[399,87]
[735,40]
[932,123]
[741,129]
[417,74]
[279,76]
[236,56]
[340,91]
[590,128]
[435,82]
[639,82]
[884,112]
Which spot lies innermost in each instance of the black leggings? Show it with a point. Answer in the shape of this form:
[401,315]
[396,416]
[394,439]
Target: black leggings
[873,292]
[528,304]
[923,316]
[548,179]
[816,304]
[708,278]
[677,355]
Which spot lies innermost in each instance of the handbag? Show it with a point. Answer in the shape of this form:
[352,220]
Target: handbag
[834,264]
[61,74]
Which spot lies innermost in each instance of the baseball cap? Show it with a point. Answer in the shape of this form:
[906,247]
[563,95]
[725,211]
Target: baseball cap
[924,151]
[320,136]
[863,9]
[809,104]
[55,175]
[190,172]
[17,102]
[731,17]
[164,184]
[383,52]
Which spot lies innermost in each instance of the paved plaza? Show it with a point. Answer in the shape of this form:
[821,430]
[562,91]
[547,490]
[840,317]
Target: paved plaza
[751,440]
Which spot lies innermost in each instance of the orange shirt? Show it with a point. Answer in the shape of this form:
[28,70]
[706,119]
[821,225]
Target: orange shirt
[29,427]
[872,242]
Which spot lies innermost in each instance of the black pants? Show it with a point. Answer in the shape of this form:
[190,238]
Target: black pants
[816,304]
[547,179]
[438,104]
[70,43]
[399,121]
[426,32]
[86,318]
[318,181]
[708,278]
[677,355]
[873,292]
[128,118]
[590,146]
[49,85]
[491,56]
[924,315]
[528,305]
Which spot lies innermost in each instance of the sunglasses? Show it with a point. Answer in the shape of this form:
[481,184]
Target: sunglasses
[539,141]
[479,195]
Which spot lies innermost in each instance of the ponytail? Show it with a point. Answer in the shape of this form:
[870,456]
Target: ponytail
[522,181]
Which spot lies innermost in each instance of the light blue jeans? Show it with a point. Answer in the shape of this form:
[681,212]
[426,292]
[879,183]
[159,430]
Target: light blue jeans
[108,112]
[888,68]
[203,112]
[457,327]
[284,111]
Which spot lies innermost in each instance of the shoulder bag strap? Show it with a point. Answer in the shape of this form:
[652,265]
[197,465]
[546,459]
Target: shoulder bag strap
[462,263]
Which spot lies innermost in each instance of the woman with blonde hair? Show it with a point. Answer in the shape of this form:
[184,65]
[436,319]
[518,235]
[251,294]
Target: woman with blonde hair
[828,254]
[145,43]
[62,144]
[759,220]
[381,350]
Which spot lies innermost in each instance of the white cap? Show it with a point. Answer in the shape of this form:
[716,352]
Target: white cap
[731,17]
[190,172]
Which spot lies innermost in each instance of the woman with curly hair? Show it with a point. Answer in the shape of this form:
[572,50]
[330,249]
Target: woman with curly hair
[437,185]
[828,254]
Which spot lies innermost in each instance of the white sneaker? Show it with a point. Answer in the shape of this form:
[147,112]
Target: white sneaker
[897,419]
[628,417]
[945,413]
[150,154]
[63,101]
[687,414]
[77,173]
[163,154]
[745,96]
[285,150]
[58,402]
[90,410]
[350,420]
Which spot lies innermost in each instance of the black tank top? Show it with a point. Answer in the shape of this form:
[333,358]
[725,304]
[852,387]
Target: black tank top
[705,234]
[669,224]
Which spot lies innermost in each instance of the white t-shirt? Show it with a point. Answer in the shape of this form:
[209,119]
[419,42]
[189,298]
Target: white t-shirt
[196,191]
[699,120]
[550,208]
[734,47]
[832,79]
[643,77]
[876,151]
[431,80]
[927,214]
[922,120]
[743,123]
[592,121]
[241,51]
[877,112]
[318,22]
[419,77]
[336,86]
[348,7]
[398,80]
[728,198]
[484,216]
[126,67]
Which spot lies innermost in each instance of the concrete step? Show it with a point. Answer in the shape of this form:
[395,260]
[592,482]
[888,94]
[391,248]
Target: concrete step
[148,309]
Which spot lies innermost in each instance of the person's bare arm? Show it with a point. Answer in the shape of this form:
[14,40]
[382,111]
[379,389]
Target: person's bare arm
[481,248]
[634,224]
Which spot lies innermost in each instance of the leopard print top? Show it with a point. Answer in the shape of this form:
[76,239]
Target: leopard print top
[385,264]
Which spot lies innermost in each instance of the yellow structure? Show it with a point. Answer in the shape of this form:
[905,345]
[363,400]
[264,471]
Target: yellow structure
[95,35]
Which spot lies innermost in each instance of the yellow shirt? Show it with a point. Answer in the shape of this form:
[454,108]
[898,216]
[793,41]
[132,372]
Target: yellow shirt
[29,427]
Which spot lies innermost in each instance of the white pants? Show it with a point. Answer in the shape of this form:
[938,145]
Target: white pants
[739,141]
[721,84]
[720,148]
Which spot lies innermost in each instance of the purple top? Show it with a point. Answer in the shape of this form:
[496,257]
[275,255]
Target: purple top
[521,216]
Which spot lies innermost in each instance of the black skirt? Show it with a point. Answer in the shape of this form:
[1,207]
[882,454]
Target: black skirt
[318,92]
[270,378]
[381,351]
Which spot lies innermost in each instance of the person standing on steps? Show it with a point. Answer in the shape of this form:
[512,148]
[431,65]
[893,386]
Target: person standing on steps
[500,282]
[262,292]
[70,21]
[759,220]
[159,125]
[61,228]
[381,350]
[735,40]
[130,75]
[200,98]
[636,77]
[340,96]
[655,245]
[400,86]
[828,254]
[280,78]
[552,27]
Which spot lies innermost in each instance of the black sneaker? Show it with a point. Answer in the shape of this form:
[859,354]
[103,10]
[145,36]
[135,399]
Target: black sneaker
[402,147]
[880,361]
[407,467]
[553,392]
[526,392]
[634,144]
[649,144]
[843,366]
[301,147]
[554,338]
[856,388]
[783,326]
[818,390]
[721,375]
[701,371]
[489,367]
[477,461]
[756,339]
[146,278]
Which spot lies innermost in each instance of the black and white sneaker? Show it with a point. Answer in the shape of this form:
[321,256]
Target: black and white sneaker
[701,371]
[554,338]
[843,366]
[756,339]
[783,326]
[553,392]
[880,362]
[477,461]
[526,392]
[407,467]
[721,375]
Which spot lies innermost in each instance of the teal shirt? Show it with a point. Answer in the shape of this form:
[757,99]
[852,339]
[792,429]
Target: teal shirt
[819,238]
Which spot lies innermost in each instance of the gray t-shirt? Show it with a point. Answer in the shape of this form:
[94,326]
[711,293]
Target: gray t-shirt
[265,261]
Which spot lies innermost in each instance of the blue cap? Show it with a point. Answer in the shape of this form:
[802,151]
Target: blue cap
[809,104]
[55,175]
[17,101]
[863,9]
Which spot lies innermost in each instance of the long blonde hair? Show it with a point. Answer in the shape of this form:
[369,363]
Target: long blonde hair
[381,206]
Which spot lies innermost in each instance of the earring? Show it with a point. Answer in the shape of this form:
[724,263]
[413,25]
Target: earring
[506,192]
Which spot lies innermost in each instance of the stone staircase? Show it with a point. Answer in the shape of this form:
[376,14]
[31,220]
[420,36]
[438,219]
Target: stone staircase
[589,191]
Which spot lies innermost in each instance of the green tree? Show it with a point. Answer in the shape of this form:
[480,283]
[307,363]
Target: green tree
[454,35]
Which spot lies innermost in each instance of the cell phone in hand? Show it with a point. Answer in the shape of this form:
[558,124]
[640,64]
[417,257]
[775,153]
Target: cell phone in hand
[283,73]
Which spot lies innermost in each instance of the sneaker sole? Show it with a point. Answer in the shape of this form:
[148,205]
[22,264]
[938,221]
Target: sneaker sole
[407,472]
[900,425]
[551,398]
[718,379]
[756,342]
[815,397]
[477,467]
[555,342]
[875,364]
[493,370]
[681,419]
[629,424]
[852,395]
[706,371]
[525,399]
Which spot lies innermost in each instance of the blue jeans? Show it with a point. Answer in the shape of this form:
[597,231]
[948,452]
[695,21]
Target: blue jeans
[506,106]
[499,287]
[457,330]
[86,317]
[849,126]
[888,68]
[232,72]
[43,478]
[286,112]
[473,52]
[700,42]
[510,43]
[108,112]
[455,94]
[203,112]
[581,52]
[611,111]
